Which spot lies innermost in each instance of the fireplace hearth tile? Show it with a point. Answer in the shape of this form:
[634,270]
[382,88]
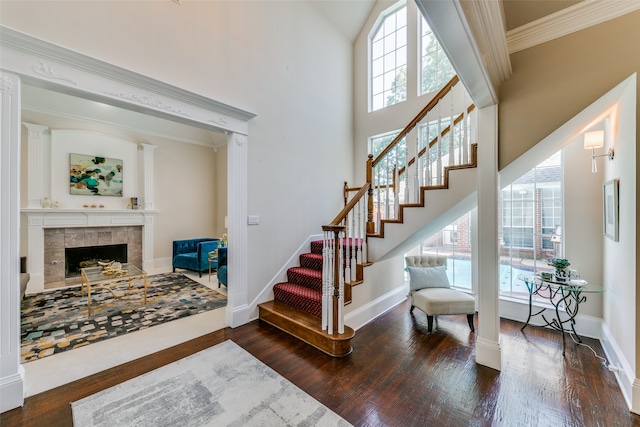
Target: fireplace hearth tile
[104,237]
[74,238]
[119,235]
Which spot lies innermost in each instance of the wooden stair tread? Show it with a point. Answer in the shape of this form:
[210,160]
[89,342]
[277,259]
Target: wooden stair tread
[306,327]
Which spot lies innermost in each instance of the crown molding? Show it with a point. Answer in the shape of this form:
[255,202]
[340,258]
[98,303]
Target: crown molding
[42,63]
[487,24]
[574,18]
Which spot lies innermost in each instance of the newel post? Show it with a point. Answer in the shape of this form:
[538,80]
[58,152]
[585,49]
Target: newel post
[371,226]
[333,279]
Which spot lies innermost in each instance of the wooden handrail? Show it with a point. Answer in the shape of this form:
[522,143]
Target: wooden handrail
[417,119]
[349,206]
[434,141]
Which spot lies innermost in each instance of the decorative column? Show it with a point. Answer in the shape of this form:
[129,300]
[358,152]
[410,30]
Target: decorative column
[36,188]
[237,170]
[145,164]
[11,372]
[488,352]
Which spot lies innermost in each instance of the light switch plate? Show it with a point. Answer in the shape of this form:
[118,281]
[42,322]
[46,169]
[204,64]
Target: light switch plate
[253,220]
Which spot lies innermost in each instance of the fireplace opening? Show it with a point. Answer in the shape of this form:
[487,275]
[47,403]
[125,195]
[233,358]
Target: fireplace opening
[88,256]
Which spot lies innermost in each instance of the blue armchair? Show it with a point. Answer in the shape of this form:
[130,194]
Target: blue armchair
[192,254]
[222,266]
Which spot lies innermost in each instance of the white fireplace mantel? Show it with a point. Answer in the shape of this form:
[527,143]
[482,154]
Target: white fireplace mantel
[38,219]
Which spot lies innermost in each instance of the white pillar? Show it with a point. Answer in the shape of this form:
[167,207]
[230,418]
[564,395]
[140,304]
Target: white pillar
[488,352]
[146,180]
[36,155]
[237,258]
[11,372]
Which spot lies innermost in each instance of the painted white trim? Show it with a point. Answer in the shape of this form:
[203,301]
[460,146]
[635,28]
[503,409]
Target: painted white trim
[487,22]
[114,124]
[452,28]
[267,292]
[488,353]
[73,73]
[39,219]
[373,309]
[11,376]
[625,376]
[566,21]
[586,326]
[488,342]
[12,390]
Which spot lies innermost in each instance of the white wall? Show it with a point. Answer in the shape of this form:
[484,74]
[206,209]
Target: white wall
[280,60]
[582,230]
[620,269]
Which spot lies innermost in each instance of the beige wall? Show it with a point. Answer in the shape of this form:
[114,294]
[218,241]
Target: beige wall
[554,82]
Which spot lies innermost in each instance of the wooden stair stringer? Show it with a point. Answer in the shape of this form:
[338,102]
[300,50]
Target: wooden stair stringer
[306,328]
[423,192]
[412,224]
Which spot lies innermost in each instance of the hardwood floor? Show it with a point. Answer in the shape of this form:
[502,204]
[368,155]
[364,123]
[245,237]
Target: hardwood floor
[399,375]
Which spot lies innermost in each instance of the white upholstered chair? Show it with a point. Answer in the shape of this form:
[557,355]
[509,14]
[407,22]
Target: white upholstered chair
[431,291]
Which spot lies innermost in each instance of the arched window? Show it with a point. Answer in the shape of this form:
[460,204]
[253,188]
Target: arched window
[388,48]
[436,70]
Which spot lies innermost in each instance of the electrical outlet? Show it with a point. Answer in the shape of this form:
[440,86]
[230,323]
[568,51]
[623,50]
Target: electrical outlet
[253,220]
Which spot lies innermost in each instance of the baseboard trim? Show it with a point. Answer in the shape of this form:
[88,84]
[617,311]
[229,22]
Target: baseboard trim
[370,311]
[156,263]
[586,326]
[488,353]
[624,374]
[12,391]
[267,292]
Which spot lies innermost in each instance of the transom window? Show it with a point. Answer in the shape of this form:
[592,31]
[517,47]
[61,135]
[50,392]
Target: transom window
[389,60]
[436,70]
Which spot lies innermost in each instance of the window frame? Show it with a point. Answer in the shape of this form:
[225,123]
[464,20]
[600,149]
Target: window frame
[379,26]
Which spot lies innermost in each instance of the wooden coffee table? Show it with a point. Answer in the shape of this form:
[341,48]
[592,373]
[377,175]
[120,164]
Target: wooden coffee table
[95,278]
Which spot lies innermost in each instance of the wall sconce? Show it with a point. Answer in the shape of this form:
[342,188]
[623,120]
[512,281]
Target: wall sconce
[593,140]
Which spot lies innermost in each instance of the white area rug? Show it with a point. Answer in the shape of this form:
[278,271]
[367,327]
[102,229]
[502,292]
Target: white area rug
[220,386]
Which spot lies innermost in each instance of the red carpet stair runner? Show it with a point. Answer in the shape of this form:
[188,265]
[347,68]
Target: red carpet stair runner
[297,306]
[303,290]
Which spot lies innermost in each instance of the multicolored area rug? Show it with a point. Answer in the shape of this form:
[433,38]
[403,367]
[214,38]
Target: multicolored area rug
[56,321]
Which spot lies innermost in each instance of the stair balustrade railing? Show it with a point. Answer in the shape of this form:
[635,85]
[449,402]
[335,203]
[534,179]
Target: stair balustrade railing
[444,139]
[344,248]
[446,128]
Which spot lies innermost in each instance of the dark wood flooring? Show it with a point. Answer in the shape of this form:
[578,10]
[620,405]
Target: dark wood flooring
[399,375]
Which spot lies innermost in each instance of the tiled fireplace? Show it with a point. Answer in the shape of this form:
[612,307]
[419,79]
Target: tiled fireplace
[57,240]
[50,231]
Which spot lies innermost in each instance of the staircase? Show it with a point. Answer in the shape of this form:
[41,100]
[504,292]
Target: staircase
[297,306]
[387,216]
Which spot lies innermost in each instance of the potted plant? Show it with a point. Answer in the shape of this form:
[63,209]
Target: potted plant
[561,268]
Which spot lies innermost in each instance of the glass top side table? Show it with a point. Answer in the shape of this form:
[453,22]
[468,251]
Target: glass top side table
[564,297]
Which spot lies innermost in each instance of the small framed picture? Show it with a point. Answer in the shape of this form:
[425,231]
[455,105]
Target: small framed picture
[611,209]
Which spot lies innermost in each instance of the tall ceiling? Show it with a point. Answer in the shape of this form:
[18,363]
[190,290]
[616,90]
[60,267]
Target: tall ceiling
[348,16]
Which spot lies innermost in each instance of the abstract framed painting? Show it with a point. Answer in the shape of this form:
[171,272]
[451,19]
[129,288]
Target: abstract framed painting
[610,192]
[95,175]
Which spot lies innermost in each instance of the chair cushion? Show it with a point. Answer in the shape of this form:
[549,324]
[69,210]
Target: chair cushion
[434,301]
[428,277]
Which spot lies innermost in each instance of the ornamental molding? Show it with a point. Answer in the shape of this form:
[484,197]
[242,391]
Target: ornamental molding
[149,101]
[222,120]
[239,140]
[6,82]
[47,71]
[25,50]
[566,21]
